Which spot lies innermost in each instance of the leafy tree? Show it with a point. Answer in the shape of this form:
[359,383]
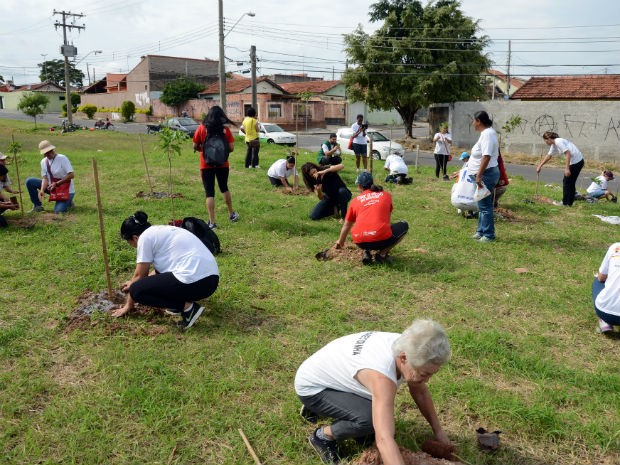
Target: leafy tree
[171,143]
[54,71]
[33,104]
[420,55]
[179,91]
[128,109]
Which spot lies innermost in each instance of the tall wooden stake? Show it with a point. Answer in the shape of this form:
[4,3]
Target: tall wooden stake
[249,447]
[371,154]
[101,230]
[146,166]
[19,183]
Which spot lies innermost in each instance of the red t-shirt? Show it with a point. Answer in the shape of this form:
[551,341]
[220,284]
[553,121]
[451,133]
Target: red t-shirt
[371,213]
[201,135]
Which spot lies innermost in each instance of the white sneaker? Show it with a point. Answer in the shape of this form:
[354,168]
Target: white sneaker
[558,204]
[604,327]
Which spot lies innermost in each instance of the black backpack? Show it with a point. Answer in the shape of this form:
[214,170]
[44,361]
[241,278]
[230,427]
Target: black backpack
[215,150]
[202,231]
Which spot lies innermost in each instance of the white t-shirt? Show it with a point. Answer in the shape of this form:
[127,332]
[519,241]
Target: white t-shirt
[608,299]
[336,365]
[278,170]
[361,138]
[599,184]
[560,146]
[442,146]
[176,250]
[396,165]
[60,166]
[487,145]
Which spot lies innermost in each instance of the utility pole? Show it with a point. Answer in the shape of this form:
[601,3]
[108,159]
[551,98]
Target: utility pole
[508,74]
[222,73]
[67,51]
[253,75]
[44,67]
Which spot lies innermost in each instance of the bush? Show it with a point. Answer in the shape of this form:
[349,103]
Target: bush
[64,109]
[89,110]
[128,109]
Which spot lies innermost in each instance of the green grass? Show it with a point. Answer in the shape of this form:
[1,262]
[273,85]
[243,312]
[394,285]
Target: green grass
[526,359]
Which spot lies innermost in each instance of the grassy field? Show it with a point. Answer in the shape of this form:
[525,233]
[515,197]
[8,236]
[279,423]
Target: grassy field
[526,358]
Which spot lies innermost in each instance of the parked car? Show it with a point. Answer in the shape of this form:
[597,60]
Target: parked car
[274,134]
[381,146]
[187,125]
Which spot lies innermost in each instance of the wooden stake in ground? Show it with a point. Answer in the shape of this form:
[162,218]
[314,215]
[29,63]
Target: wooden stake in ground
[371,154]
[249,447]
[101,230]
[146,166]
[417,155]
[14,147]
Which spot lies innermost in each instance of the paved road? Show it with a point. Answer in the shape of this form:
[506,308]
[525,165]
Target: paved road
[312,140]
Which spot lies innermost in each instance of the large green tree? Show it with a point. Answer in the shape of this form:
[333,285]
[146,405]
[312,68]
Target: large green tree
[420,55]
[33,104]
[179,91]
[54,71]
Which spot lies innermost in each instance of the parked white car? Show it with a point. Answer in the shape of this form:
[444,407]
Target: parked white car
[381,146]
[274,134]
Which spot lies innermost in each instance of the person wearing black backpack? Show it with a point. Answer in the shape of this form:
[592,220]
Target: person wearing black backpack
[215,142]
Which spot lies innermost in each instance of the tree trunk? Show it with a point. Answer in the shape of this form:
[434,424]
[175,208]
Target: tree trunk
[407,114]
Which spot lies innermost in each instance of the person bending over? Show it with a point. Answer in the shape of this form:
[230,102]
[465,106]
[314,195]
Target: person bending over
[331,190]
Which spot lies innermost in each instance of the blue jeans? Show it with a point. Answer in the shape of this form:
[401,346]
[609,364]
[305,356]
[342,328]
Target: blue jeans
[597,287]
[34,185]
[486,222]
[352,414]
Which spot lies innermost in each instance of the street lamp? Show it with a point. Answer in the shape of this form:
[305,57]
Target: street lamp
[222,67]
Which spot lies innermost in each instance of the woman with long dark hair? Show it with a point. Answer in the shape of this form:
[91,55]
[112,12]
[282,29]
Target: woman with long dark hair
[213,126]
[331,190]
[483,169]
[185,269]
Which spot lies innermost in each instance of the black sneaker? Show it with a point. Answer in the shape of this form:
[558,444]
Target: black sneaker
[382,259]
[326,449]
[366,257]
[308,415]
[190,316]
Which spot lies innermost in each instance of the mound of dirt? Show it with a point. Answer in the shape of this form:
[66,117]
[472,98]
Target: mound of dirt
[158,195]
[505,214]
[371,456]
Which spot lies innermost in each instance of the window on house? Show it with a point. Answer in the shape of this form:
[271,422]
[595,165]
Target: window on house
[61,97]
[275,110]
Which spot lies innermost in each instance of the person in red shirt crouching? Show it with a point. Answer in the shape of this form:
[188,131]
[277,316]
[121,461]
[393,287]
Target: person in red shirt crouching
[368,219]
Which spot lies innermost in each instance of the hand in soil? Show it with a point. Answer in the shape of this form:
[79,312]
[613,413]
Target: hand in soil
[120,311]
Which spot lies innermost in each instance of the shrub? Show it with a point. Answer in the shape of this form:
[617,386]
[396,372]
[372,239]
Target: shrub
[89,110]
[128,109]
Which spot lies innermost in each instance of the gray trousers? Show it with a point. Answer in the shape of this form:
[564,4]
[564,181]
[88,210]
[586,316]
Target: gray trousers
[352,414]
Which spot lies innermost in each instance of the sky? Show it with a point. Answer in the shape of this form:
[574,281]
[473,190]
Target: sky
[546,37]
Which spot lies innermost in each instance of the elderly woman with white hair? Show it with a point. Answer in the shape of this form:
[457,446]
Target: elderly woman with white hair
[354,380]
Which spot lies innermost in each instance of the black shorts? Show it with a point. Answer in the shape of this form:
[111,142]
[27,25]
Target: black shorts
[208,180]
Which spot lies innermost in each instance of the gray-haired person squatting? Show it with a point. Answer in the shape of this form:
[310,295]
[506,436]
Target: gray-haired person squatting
[354,380]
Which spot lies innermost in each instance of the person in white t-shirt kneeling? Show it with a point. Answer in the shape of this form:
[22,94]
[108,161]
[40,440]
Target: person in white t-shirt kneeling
[396,166]
[185,271]
[354,381]
[279,172]
[606,290]
[599,188]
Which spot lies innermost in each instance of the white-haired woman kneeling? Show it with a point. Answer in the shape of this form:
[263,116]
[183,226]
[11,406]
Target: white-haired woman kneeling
[354,380]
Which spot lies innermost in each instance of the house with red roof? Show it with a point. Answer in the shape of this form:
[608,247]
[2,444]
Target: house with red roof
[497,84]
[11,95]
[591,87]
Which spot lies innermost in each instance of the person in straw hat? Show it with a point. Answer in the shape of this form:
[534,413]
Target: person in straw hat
[56,170]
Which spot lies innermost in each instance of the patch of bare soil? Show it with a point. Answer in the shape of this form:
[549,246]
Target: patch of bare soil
[158,195]
[371,456]
[349,253]
[505,214]
[30,221]
[90,302]
[539,199]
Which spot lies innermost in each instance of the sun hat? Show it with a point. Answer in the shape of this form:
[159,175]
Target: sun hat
[3,156]
[45,146]
[607,173]
[364,179]
[463,156]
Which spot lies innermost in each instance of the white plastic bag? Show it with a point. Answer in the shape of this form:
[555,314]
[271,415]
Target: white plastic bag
[481,193]
[462,196]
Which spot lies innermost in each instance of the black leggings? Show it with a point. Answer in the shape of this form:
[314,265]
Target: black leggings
[441,164]
[326,205]
[163,290]
[569,190]
[398,232]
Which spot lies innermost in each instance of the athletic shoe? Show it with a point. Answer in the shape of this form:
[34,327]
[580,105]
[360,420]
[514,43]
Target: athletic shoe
[604,327]
[446,177]
[366,257]
[257,167]
[307,415]
[382,259]
[37,208]
[558,204]
[476,236]
[325,449]
[234,217]
[173,311]
[190,316]
[485,239]
[212,225]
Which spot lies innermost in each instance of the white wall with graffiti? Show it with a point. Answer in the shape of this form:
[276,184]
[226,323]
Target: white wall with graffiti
[593,126]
